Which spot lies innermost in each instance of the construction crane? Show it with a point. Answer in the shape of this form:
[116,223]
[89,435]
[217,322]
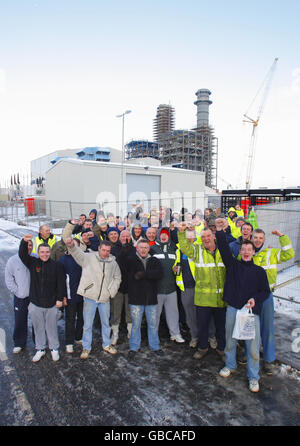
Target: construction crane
[266,86]
[229,185]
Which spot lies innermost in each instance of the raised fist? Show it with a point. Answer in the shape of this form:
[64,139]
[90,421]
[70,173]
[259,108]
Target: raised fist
[277,232]
[69,242]
[182,226]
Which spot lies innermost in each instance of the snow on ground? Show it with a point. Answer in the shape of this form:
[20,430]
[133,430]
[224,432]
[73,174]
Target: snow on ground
[287,370]
[290,291]
[32,226]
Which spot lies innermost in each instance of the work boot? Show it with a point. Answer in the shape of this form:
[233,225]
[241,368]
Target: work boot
[221,354]
[85,354]
[115,336]
[268,368]
[194,342]
[200,353]
[129,328]
[213,342]
[110,349]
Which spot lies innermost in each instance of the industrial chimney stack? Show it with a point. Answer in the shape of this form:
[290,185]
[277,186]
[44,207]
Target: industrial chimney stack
[203,102]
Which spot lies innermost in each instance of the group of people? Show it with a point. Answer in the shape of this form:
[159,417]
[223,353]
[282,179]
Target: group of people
[208,265]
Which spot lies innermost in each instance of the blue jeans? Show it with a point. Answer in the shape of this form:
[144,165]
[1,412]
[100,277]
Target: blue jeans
[252,346]
[267,329]
[89,309]
[137,312]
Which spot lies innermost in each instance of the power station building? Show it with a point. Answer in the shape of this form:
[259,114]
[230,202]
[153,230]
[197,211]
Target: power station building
[195,149]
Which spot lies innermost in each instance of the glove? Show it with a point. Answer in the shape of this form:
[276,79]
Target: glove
[139,275]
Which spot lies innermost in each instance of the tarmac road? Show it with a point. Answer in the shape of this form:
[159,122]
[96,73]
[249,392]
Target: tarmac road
[105,390]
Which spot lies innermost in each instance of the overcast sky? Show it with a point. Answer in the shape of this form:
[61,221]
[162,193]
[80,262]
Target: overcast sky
[67,68]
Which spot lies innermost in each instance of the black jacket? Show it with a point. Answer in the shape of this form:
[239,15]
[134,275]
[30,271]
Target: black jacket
[47,279]
[244,280]
[122,253]
[142,288]
[166,253]
[73,275]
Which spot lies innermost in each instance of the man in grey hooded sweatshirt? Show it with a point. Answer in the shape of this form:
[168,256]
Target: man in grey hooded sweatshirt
[17,280]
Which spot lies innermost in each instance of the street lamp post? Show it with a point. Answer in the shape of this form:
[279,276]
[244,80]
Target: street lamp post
[123,151]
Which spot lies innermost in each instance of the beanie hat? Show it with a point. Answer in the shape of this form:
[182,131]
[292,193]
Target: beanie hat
[86,230]
[165,231]
[95,212]
[112,229]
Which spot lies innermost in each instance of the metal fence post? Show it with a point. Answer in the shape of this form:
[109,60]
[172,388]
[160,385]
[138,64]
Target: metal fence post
[38,210]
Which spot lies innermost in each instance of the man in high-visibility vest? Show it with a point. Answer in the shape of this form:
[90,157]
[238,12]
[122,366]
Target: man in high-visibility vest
[269,258]
[44,236]
[232,217]
[209,285]
[184,268]
[199,225]
[239,211]
[252,217]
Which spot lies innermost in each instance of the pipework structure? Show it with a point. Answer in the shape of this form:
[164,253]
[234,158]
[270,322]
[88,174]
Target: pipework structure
[195,149]
[140,149]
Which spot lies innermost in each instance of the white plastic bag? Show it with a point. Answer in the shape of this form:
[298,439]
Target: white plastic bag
[244,327]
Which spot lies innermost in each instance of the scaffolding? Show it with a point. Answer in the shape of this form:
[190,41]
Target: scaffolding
[164,123]
[141,149]
[195,149]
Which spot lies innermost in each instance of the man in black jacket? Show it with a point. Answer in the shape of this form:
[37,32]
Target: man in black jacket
[143,273]
[246,285]
[122,247]
[46,295]
[165,251]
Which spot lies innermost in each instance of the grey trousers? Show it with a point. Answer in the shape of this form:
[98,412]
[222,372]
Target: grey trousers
[187,299]
[169,301]
[116,307]
[44,321]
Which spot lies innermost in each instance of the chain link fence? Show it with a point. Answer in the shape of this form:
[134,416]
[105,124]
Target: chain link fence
[284,216]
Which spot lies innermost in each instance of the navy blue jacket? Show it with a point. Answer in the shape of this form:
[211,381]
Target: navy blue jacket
[73,270]
[244,280]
